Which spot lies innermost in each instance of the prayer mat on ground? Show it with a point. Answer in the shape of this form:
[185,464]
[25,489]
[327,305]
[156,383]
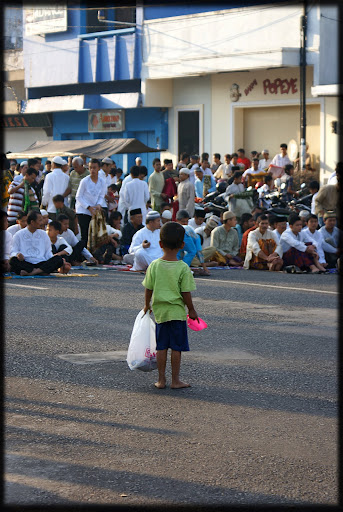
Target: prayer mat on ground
[15,276]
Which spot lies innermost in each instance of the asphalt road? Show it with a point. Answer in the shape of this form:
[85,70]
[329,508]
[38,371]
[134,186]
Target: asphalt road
[258,425]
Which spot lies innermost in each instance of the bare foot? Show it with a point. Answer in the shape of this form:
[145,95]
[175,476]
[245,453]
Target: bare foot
[160,385]
[179,385]
[24,273]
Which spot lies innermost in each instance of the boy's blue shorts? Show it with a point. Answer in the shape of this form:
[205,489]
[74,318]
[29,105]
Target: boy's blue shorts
[172,335]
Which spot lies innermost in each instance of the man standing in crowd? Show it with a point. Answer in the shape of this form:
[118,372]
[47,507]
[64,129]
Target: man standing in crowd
[223,172]
[88,197]
[242,159]
[184,161]
[327,198]
[31,251]
[145,244]
[156,185]
[55,183]
[77,174]
[216,162]
[225,239]
[281,159]
[186,192]
[137,192]
[265,161]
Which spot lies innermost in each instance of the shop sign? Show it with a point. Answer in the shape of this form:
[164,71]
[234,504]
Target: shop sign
[106,121]
[46,20]
[27,121]
[280,86]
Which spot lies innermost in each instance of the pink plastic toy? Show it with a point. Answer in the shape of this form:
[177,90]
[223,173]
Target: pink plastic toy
[195,325]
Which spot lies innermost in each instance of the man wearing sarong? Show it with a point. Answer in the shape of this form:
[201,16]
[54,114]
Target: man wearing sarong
[264,251]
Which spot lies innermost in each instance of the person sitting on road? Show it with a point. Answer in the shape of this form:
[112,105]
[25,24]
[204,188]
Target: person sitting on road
[263,248]
[145,243]
[129,230]
[311,230]
[280,224]
[331,239]
[7,242]
[304,216]
[58,201]
[246,222]
[59,245]
[192,250]
[198,220]
[225,240]
[21,223]
[243,248]
[298,249]
[31,251]
[79,249]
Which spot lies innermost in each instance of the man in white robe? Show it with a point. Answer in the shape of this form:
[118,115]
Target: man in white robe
[56,182]
[186,192]
[145,243]
[137,193]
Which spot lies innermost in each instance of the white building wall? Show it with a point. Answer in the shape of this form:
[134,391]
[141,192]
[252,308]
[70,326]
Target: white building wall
[18,139]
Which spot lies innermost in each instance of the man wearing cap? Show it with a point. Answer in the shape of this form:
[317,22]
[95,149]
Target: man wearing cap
[128,231]
[55,183]
[225,239]
[304,215]
[23,168]
[136,193]
[166,216]
[77,174]
[145,244]
[104,173]
[138,161]
[44,220]
[199,218]
[186,192]
[156,184]
[265,162]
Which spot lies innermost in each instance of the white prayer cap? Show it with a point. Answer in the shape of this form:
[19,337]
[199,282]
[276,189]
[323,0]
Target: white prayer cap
[64,162]
[304,214]
[153,215]
[107,161]
[167,214]
[59,160]
[24,162]
[43,212]
[138,158]
[265,151]
[184,170]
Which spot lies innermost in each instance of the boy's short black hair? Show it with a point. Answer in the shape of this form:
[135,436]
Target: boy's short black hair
[237,174]
[143,171]
[48,162]
[268,178]
[58,198]
[164,203]
[312,216]
[182,214]
[116,215]
[32,216]
[32,170]
[283,145]
[57,225]
[21,214]
[240,150]
[155,160]
[172,235]
[198,212]
[113,187]
[262,216]
[288,168]
[134,171]
[62,216]
[245,217]
[294,217]
[95,161]
[314,185]
[32,161]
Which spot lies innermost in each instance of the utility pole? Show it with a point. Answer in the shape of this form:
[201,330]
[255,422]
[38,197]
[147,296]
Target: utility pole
[303,30]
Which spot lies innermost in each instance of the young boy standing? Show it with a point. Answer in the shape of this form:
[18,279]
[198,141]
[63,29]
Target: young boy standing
[170,282]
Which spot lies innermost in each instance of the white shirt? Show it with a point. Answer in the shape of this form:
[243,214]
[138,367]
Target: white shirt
[89,194]
[154,251]
[7,245]
[193,225]
[250,171]
[288,239]
[136,195]
[317,240]
[333,179]
[253,246]
[56,182]
[207,238]
[13,229]
[122,205]
[107,180]
[35,247]
[280,161]
[70,237]
[264,163]
[61,241]
[313,204]
[112,231]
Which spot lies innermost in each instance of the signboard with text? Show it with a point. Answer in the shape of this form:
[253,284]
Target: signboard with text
[106,121]
[46,20]
[26,121]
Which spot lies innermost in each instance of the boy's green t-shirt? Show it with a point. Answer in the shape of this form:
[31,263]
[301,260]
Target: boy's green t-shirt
[168,279]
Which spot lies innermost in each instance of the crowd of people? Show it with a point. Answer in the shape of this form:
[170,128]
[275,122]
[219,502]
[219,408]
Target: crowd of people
[73,212]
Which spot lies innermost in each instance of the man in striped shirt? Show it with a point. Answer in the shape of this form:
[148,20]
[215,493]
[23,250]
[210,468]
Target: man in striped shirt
[22,196]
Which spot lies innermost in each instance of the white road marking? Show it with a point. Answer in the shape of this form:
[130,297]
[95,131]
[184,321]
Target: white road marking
[28,286]
[289,288]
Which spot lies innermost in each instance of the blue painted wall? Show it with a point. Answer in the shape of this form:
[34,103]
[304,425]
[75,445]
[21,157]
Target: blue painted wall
[167,11]
[149,125]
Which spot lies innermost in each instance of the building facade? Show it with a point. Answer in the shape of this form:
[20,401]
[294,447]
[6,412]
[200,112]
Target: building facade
[230,78]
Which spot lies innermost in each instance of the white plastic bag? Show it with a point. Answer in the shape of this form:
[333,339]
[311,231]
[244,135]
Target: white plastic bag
[141,354]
